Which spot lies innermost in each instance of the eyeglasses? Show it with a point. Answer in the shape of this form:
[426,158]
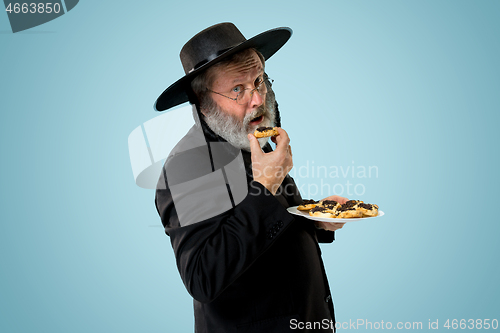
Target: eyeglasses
[244,95]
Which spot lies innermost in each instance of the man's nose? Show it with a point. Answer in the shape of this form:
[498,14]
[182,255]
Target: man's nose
[256,99]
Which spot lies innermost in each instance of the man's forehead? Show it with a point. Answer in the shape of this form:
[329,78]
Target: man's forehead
[238,70]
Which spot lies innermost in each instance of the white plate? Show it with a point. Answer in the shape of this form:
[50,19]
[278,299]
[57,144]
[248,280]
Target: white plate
[293,210]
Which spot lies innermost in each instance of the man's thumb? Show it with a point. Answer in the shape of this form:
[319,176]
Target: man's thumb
[254,144]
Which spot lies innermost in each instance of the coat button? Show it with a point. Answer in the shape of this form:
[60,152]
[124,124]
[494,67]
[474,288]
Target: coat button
[328,298]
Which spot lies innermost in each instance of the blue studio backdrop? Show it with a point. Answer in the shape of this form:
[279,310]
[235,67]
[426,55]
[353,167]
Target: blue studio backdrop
[391,102]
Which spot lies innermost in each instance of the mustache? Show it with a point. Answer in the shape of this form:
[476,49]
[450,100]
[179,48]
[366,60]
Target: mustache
[260,111]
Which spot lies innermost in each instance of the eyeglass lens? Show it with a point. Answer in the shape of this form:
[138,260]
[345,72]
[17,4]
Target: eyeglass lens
[247,94]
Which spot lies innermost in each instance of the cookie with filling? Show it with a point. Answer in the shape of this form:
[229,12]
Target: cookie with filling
[368,210]
[352,203]
[307,205]
[319,211]
[347,212]
[263,132]
[330,205]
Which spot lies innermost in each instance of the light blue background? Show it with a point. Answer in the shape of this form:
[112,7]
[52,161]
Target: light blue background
[411,87]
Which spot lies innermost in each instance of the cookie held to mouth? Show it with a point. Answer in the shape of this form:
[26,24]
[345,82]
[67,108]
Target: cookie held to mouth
[263,132]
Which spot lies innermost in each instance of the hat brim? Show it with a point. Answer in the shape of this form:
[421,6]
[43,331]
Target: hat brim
[267,43]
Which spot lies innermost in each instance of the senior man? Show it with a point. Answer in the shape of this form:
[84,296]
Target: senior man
[249,264]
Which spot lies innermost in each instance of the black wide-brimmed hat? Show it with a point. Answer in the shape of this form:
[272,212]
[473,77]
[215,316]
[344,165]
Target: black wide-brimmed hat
[212,45]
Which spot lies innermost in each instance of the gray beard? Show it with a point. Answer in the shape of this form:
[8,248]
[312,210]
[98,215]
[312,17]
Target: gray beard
[232,129]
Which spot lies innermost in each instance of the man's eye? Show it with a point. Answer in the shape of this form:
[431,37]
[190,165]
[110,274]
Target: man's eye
[236,89]
[259,81]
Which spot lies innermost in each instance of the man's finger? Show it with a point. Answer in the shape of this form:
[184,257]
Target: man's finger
[283,136]
[254,145]
[282,140]
[340,200]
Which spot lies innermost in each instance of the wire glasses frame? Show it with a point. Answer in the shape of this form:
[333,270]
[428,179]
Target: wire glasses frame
[243,98]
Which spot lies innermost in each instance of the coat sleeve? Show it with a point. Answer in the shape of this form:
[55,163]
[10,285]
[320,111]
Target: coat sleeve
[212,253]
[325,236]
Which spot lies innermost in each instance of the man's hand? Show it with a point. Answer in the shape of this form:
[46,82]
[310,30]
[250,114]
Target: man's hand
[340,200]
[329,225]
[270,169]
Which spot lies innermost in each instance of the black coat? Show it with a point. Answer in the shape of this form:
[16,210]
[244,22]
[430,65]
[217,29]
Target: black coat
[254,267]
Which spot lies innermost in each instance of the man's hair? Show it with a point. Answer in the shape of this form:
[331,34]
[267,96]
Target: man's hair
[206,78]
